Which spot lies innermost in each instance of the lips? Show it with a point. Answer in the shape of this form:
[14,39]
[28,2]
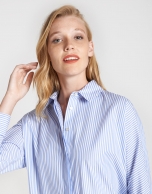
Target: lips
[70,58]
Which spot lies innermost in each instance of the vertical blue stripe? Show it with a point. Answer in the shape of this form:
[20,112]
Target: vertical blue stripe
[98,148]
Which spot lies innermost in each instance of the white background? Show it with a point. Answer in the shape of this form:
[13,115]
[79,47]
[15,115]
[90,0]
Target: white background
[122,35]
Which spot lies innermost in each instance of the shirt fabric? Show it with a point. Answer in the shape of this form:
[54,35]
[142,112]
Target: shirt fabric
[99,148]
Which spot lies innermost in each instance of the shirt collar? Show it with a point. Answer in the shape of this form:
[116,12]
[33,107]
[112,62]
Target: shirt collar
[88,92]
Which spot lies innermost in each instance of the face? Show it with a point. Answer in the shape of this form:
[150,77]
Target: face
[68,46]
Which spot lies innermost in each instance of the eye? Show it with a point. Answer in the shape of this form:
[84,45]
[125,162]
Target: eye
[79,37]
[56,40]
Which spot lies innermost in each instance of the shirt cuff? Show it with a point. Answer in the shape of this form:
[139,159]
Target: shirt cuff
[4,122]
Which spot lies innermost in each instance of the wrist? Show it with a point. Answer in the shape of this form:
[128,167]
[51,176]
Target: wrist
[8,104]
[11,97]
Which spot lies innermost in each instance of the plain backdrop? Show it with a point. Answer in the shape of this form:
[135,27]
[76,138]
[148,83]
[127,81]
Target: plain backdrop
[122,35]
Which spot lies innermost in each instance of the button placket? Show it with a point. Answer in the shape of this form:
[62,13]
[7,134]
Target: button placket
[71,107]
[69,113]
[59,113]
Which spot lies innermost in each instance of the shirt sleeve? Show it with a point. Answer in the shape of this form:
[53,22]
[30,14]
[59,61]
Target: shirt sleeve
[11,145]
[137,163]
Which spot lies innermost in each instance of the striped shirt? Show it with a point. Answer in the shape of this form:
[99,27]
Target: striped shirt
[98,148]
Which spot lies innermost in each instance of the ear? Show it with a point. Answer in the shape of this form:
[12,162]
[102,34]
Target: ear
[91,49]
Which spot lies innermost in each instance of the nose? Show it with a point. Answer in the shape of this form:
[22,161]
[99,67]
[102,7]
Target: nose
[68,45]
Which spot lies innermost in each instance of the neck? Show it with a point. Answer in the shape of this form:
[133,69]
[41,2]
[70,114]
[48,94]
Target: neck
[68,86]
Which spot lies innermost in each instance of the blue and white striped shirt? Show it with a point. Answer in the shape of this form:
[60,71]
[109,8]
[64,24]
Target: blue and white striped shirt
[99,148]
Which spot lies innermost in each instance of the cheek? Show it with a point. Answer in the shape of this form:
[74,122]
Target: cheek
[85,50]
[49,51]
[52,54]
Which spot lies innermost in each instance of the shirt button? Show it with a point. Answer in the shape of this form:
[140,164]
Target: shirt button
[75,93]
[70,107]
[67,129]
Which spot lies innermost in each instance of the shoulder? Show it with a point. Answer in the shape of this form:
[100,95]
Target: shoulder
[118,105]
[122,107]
[114,99]
[29,116]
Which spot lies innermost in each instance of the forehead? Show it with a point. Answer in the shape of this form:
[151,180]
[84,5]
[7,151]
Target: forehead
[65,22]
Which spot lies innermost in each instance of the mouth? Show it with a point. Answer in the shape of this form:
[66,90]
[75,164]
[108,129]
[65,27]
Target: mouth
[71,58]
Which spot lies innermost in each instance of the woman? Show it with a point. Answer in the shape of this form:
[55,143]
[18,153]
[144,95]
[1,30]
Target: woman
[80,138]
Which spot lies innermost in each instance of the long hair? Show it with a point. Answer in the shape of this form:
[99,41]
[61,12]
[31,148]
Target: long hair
[46,79]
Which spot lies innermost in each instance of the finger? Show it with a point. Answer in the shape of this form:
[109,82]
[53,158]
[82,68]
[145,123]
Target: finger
[33,64]
[20,74]
[24,70]
[21,71]
[27,66]
[29,79]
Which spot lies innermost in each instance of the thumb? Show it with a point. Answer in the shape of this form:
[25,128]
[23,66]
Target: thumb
[29,79]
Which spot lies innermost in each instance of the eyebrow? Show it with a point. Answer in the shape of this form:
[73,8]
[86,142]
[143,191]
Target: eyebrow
[80,29]
[57,32]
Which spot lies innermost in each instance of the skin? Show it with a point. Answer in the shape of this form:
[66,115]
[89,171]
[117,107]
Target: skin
[72,77]
[71,38]
[16,90]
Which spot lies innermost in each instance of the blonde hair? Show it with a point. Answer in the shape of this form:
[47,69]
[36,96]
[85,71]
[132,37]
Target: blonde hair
[46,79]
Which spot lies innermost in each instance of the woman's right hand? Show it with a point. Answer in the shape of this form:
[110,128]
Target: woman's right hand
[16,88]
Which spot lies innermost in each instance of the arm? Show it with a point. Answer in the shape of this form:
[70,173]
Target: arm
[137,164]
[11,141]
[11,145]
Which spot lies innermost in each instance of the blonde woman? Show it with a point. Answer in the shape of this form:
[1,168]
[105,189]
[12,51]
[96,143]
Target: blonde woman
[80,138]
